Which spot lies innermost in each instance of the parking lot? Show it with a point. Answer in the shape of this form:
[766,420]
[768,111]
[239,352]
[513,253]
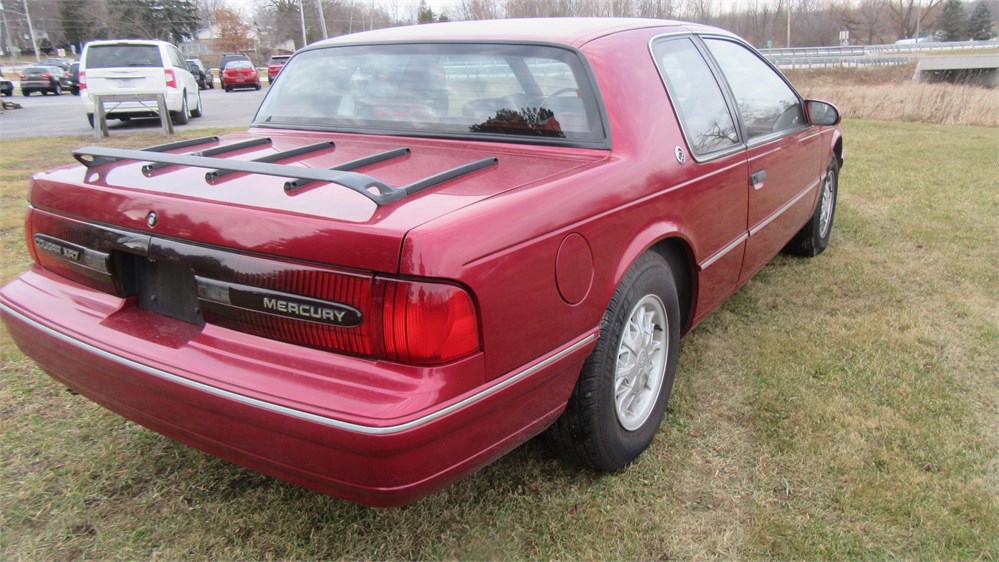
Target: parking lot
[64,115]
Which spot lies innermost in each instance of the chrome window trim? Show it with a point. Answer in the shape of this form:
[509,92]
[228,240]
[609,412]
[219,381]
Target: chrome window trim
[299,414]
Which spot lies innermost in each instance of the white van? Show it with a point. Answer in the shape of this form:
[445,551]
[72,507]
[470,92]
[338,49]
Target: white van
[133,66]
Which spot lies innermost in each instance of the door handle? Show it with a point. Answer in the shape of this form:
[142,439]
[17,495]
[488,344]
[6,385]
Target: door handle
[758,179]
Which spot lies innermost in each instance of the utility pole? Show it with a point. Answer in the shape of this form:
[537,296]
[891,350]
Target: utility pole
[322,19]
[31,30]
[301,15]
[788,42]
[8,46]
[919,16]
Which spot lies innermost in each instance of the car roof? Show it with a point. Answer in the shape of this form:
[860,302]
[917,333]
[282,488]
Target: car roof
[127,42]
[570,31]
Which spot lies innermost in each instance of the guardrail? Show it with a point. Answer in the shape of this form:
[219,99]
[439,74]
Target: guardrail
[831,62]
[864,55]
[864,50]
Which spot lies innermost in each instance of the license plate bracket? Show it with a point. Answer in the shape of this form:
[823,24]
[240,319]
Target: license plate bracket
[168,289]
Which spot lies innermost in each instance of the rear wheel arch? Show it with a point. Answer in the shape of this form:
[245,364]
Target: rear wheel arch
[678,253]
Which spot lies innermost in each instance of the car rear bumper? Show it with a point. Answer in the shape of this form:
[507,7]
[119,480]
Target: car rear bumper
[232,406]
[174,102]
[241,82]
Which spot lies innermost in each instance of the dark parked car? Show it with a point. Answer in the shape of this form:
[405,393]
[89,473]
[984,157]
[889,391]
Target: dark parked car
[44,79]
[434,243]
[74,78]
[275,65]
[226,59]
[201,74]
[240,74]
[60,62]
[6,86]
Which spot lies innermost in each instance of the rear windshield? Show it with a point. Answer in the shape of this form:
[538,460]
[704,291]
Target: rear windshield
[279,59]
[38,70]
[444,89]
[115,56]
[239,64]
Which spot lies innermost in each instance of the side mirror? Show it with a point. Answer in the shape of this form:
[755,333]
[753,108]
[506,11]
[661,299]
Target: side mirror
[822,113]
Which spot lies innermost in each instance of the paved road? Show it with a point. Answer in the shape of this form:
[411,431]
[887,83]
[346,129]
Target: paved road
[64,115]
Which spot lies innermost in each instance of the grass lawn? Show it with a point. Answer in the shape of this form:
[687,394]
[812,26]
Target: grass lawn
[845,407]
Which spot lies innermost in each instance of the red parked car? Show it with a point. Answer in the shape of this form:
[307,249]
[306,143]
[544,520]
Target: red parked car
[240,74]
[274,66]
[434,243]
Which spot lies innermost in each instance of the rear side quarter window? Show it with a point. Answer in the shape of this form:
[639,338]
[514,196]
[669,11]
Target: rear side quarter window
[697,97]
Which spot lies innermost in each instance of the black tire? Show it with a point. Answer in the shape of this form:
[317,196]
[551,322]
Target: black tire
[198,111]
[182,117]
[228,88]
[593,431]
[25,93]
[75,91]
[257,87]
[90,119]
[813,238]
[57,90]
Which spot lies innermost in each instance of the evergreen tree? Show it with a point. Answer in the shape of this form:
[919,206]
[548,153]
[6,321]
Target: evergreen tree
[171,20]
[980,25]
[953,22]
[424,13]
[79,20]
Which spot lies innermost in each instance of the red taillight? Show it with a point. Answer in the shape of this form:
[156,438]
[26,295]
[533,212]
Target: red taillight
[424,323]
[171,78]
[23,77]
[46,75]
[62,249]
[83,80]
[289,311]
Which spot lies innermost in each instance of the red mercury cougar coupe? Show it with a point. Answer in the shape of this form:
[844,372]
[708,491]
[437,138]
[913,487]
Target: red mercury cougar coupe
[434,243]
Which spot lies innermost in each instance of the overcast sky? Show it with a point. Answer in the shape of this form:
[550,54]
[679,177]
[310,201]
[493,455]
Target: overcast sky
[247,7]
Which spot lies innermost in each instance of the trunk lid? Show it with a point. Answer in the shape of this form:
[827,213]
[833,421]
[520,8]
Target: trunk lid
[318,222]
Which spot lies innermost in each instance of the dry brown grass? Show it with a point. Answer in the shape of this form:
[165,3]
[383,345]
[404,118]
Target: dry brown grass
[889,94]
[841,408]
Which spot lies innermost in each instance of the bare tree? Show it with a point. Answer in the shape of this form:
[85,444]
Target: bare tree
[663,9]
[908,16]
[867,22]
[478,10]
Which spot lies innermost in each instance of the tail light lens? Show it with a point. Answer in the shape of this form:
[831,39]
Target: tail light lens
[413,322]
[23,77]
[171,78]
[83,80]
[425,323]
[46,75]
[303,306]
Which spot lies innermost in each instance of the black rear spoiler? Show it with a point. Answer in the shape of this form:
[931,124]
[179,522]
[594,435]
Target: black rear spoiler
[378,192]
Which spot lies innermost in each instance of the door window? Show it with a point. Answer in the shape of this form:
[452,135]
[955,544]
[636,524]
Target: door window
[766,103]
